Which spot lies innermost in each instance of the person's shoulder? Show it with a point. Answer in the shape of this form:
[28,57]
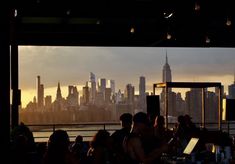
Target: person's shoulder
[115,133]
[134,140]
[133,136]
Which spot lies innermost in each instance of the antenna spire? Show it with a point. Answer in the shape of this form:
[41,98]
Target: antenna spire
[166,58]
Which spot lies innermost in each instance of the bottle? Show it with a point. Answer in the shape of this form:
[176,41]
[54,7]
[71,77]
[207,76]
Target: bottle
[221,155]
[217,154]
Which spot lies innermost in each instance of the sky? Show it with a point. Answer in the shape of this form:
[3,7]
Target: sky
[72,66]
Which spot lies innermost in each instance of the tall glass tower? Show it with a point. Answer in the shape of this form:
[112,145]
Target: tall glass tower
[92,87]
[142,94]
[231,90]
[40,93]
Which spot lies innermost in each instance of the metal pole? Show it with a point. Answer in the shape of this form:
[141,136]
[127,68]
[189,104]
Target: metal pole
[203,108]
[166,107]
[154,89]
[219,108]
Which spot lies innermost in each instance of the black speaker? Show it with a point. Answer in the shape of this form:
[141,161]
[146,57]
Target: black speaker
[153,107]
[230,109]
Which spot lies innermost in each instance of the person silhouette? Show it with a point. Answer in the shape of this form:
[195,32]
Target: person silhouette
[79,148]
[119,135]
[58,149]
[140,145]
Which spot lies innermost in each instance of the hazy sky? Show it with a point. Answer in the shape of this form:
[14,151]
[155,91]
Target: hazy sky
[72,66]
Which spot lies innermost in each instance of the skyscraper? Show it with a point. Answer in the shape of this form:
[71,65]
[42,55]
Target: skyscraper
[58,92]
[48,102]
[72,98]
[102,85]
[142,94]
[193,101]
[166,72]
[40,93]
[129,94]
[59,101]
[231,90]
[85,91]
[167,77]
[142,85]
[92,83]
[112,86]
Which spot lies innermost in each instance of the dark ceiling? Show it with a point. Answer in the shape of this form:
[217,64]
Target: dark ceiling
[154,23]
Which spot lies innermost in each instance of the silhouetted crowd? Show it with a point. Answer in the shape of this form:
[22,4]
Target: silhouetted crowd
[137,142]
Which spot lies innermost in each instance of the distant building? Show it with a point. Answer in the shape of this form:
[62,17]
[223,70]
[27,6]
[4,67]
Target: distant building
[180,104]
[40,94]
[167,77]
[194,103]
[112,86]
[211,110]
[85,95]
[48,102]
[59,103]
[92,85]
[107,95]
[58,92]
[129,94]
[231,90]
[119,97]
[166,72]
[99,100]
[102,85]
[123,108]
[142,94]
[72,98]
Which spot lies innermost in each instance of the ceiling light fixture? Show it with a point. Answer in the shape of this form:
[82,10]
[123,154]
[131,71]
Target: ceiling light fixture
[197,6]
[168,36]
[15,13]
[68,12]
[207,40]
[228,22]
[132,30]
[168,15]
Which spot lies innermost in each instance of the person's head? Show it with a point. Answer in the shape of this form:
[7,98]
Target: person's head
[159,121]
[187,118]
[59,141]
[22,134]
[126,120]
[140,120]
[100,138]
[181,119]
[79,139]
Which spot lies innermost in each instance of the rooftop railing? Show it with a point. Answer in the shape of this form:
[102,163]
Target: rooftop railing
[42,132]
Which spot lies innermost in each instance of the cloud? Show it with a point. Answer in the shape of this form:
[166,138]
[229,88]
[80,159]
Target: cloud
[71,65]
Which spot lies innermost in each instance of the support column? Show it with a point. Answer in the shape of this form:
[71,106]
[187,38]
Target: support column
[4,83]
[166,107]
[203,108]
[14,73]
[219,108]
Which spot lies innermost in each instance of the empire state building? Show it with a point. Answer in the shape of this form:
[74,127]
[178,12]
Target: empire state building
[166,72]
[166,77]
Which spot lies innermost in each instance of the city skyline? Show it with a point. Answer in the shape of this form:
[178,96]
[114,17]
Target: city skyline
[72,65]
